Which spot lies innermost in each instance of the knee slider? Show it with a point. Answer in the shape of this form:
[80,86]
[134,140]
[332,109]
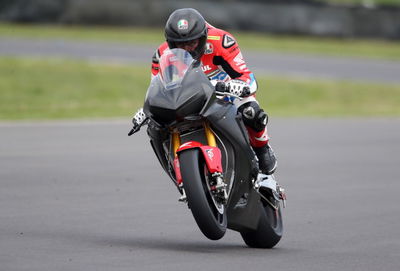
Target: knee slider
[254,116]
[261,121]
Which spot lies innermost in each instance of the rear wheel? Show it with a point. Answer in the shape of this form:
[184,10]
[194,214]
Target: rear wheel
[210,215]
[269,230]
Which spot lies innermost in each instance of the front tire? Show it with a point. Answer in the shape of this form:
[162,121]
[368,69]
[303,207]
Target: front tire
[269,230]
[211,220]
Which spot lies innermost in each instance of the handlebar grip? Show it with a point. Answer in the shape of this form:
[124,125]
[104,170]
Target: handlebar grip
[221,87]
[246,91]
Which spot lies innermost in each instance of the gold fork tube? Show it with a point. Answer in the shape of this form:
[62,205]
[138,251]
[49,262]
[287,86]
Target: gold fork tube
[176,142]
[209,135]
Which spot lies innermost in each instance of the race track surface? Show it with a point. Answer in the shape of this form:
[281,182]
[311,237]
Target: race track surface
[84,196]
[261,63]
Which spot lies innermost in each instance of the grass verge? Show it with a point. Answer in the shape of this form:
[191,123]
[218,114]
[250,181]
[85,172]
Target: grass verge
[57,89]
[328,98]
[52,89]
[375,49]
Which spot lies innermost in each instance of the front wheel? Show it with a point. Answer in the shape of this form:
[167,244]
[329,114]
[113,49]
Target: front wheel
[210,215]
[269,230]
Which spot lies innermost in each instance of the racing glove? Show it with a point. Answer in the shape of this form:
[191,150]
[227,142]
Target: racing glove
[238,87]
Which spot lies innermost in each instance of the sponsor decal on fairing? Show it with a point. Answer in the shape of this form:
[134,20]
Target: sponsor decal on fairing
[210,154]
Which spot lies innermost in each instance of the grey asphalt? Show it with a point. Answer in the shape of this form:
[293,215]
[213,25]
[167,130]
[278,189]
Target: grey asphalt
[283,64]
[84,196]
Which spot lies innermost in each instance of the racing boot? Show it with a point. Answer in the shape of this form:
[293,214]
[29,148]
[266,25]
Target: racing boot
[266,156]
[266,159]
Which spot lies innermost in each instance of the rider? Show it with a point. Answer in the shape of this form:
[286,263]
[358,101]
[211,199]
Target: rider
[221,60]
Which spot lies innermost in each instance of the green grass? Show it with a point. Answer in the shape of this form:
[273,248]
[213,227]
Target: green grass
[88,33]
[377,49]
[328,98]
[57,89]
[52,89]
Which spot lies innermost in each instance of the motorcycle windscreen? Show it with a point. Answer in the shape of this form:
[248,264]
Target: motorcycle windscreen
[173,67]
[180,89]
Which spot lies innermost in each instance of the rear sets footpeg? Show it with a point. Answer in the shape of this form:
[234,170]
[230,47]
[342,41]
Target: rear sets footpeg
[270,190]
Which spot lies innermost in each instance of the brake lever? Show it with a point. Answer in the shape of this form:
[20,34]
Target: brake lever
[132,131]
[137,128]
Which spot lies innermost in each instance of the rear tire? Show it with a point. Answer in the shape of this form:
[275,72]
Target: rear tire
[269,230]
[209,219]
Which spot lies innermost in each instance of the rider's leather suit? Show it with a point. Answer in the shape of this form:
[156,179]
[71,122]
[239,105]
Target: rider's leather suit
[222,61]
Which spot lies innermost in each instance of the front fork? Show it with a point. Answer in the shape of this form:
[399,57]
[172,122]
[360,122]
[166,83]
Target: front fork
[218,186]
[176,140]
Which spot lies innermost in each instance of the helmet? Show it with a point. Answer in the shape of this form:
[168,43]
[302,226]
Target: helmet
[186,25]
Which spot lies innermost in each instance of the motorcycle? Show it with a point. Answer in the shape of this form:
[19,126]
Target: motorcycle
[202,144]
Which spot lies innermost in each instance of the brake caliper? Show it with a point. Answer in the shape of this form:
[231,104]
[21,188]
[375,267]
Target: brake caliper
[218,187]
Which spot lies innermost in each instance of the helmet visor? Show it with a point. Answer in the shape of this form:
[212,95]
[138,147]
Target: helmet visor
[189,46]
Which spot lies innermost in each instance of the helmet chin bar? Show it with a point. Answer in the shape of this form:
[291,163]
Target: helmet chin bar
[196,55]
[198,52]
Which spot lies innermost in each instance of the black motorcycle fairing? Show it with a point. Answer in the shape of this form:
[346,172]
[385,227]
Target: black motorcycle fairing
[165,106]
[224,120]
[242,207]
[179,99]
[157,136]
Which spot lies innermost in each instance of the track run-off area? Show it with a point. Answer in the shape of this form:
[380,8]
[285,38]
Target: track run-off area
[82,195]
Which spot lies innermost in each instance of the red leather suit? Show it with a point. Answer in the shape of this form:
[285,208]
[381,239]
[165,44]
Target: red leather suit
[222,61]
